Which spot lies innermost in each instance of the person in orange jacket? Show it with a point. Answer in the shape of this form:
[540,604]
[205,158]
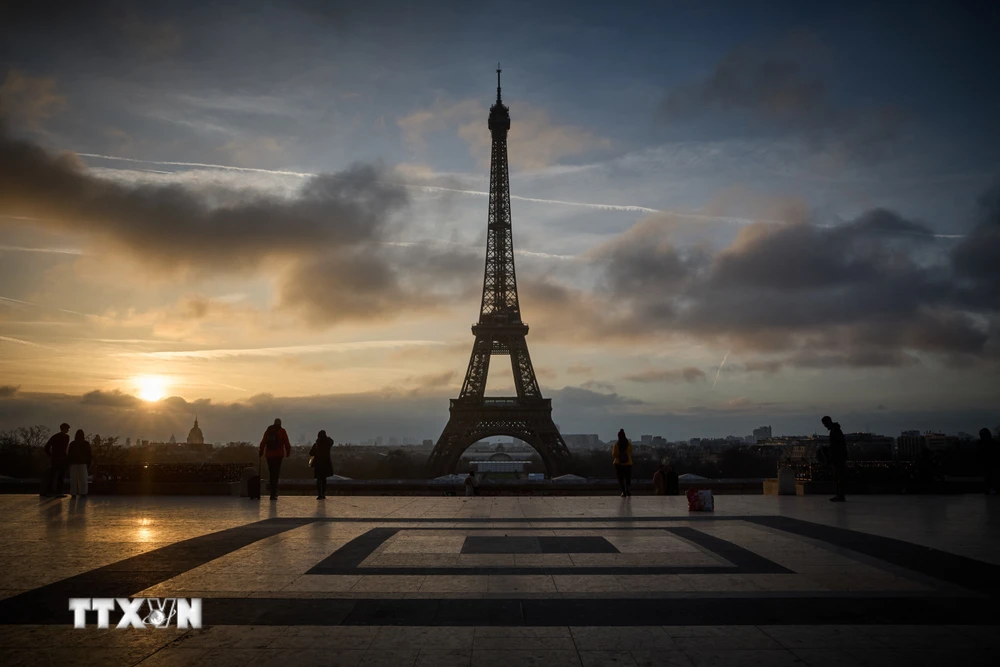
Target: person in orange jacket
[621,455]
[275,446]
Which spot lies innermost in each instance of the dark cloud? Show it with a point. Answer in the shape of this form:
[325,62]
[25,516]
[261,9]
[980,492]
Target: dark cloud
[332,244]
[783,86]
[977,258]
[776,80]
[111,399]
[686,374]
[876,291]
[174,226]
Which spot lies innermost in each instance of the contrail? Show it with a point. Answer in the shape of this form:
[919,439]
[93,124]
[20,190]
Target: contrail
[280,351]
[720,369]
[8,339]
[56,251]
[622,208]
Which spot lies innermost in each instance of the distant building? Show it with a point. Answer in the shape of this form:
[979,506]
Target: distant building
[760,433]
[195,436]
[173,440]
[646,439]
[582,440]
[939,441]
[427,442]
[911,444]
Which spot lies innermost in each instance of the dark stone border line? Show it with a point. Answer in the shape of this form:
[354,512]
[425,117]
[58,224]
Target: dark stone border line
[942,565]
[347,559]
[558,570]
[746,561]
[596,612]
[50,603]
[701,516]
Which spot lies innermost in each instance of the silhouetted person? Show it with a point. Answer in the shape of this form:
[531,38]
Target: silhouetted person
[837,456]
[660,481]
[55,449]
[79,457]
[673,484]
[322,465]
[470,485]
[989,460]
[621,454]
[274,445]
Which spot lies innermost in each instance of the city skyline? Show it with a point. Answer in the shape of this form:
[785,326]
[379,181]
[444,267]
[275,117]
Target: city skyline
[201,215]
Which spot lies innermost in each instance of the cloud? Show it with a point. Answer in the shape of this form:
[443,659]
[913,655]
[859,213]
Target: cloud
[686,374]
[112,399]
[173,226]
[8,390]
[776,80]
[871,292]
[152,39]
[781,85]
[27,100]
[535,140]
[331,246]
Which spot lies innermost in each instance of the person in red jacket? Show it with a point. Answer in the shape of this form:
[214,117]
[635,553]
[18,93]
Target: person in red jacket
[274,445]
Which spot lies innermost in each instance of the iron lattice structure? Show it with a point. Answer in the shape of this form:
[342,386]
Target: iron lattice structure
[500,331]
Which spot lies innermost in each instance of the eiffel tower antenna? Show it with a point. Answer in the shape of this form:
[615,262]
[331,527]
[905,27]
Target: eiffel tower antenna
[500,331]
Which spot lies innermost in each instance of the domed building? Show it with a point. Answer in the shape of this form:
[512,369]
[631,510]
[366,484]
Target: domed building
[195,436]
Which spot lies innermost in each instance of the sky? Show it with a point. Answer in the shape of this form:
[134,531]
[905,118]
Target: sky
[725,214]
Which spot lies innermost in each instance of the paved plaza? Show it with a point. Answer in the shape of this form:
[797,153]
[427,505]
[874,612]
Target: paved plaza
[880,580]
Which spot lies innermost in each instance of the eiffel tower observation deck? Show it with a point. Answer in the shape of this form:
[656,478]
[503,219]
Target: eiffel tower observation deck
[500,331]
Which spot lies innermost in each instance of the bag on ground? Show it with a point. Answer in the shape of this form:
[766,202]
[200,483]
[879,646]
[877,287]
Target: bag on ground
[700,500]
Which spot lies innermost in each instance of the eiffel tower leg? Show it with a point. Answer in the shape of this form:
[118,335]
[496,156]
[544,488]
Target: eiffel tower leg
[448,450]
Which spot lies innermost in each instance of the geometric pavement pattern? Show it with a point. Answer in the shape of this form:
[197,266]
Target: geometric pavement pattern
[469,581]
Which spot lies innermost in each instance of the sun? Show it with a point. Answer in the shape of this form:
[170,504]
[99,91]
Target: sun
[151,387]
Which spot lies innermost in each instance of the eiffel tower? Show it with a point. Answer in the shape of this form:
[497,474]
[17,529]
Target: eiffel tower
[500,331]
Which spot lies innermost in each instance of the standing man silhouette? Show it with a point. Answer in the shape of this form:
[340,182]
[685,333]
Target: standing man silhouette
[838,457]
[274,445]
[56,449]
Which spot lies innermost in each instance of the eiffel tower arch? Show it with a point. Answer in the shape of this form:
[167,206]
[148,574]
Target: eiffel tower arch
[500,331]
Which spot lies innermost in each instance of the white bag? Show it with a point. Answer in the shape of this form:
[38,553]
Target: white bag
[707,501]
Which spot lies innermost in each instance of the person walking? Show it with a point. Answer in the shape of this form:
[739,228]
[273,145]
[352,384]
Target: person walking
[79,458]
[321,462]
[55,449]
[622,456]
[989,461]
[837,457]
[470,485]
[275,446]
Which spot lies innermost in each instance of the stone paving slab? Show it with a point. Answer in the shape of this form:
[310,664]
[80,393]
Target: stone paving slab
[483,581]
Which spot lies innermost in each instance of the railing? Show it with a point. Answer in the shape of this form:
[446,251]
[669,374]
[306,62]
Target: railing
[169,472]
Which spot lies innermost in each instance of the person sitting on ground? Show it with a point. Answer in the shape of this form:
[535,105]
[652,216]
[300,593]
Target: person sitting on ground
[56,449]
[78,456]
[660,481]
[621,455]
[322,465]
[275,446]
